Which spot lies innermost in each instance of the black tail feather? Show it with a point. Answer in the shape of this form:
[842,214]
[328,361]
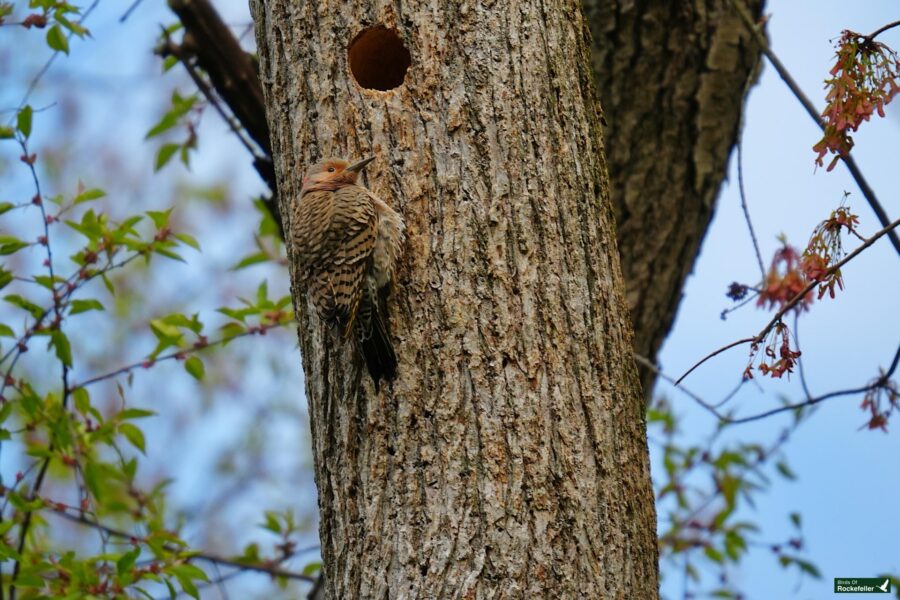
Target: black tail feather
[377,350]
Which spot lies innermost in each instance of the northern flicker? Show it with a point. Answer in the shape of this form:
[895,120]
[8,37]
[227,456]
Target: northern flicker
[346,245]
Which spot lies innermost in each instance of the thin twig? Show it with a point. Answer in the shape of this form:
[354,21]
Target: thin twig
[740,170]
[253,330]
[795,331]
[857,175]
[659,373]
[128,12]
[712,354]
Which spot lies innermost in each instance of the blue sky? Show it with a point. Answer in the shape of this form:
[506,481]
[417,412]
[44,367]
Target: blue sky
[848,479]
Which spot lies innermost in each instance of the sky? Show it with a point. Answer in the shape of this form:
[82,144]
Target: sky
[848,479]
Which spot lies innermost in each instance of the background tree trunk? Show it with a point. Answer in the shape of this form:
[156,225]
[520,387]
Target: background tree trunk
[672,77]
[509,458]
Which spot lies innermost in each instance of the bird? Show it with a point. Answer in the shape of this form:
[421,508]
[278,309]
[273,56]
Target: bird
[346,244]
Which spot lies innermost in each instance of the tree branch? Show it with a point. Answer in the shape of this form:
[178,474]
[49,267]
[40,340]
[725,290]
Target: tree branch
[831,271]
[881,30]
[234,76]
[793,301]
[880,382]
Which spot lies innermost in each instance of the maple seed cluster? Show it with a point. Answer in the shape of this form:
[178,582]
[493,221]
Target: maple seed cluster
[863,80]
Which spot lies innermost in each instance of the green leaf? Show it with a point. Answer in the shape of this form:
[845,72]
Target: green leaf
[188,239]
[785,470]
[713,554]
[6,331]
[230,330]
[191,571]
[808,567]
[164,331]
[181,320]
[47,282]
[160,217]
[164,155]
[92,479]
[185,573]
[56,39]
[253,259]
[5,277]
[185,157]
[23,120]
[7,132]
[262,292]
[194,366]
[80,306]
[180,106]
[82,400]
[134,435]
[127,561]
[17,300]
[10,244]
[272,523]
[168,121]
[61,343]
[312,568]
[136,413]
[75,28]
[108,284]
[88,195]
[169,62]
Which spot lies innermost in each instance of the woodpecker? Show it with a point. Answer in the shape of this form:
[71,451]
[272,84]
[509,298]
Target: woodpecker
[346,244]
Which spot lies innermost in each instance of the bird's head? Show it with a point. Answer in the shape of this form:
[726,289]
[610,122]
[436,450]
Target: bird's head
[332,173]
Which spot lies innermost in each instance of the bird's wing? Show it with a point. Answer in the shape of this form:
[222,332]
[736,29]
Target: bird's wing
[334,236]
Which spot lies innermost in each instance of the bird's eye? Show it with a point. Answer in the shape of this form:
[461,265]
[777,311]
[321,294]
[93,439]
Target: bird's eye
[331,169]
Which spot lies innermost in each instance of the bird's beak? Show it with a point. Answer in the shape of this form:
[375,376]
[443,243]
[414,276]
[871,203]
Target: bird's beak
[360,165]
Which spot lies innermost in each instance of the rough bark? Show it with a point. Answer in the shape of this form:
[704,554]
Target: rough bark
[671,77]
[509,458]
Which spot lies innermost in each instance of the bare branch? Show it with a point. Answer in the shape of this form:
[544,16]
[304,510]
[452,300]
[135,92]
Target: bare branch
[712,354]
[740,170]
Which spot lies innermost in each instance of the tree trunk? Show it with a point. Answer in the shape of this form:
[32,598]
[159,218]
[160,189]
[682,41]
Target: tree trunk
[509,457]
[672,77]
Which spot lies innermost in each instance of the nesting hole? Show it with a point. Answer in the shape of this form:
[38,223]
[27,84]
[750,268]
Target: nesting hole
[378,59]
